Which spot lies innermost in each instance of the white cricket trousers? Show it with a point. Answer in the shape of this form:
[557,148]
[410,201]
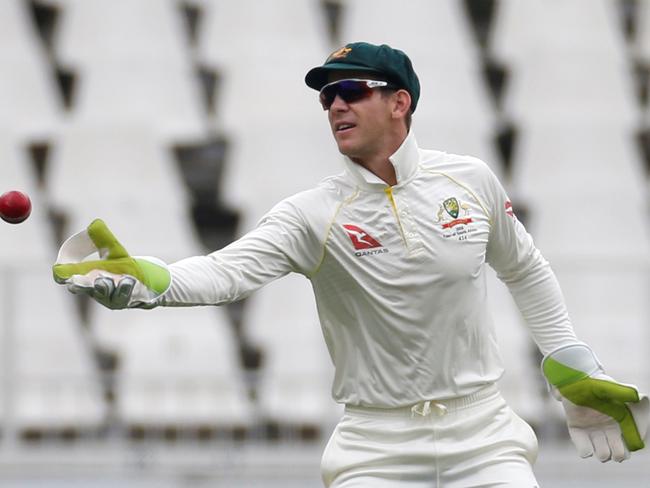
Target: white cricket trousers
[467,442]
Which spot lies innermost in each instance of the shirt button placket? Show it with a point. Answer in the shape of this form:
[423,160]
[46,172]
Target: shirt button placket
[410,230]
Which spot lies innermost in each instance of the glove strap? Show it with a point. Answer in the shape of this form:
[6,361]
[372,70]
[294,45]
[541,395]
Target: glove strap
[569,364]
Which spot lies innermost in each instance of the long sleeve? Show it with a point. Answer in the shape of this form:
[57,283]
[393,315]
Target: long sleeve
[281,243]
[528,276]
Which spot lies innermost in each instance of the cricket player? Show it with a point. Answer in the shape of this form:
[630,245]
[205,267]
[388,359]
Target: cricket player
[395,248]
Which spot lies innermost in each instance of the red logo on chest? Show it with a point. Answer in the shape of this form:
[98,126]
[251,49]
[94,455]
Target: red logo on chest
[360,238]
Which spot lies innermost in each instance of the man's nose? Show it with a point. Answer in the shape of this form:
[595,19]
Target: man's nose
[338,104]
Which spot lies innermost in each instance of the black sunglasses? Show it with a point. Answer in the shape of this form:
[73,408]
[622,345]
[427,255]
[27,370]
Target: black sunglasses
[350,91]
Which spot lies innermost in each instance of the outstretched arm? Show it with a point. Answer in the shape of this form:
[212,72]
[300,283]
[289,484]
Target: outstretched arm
[280,244]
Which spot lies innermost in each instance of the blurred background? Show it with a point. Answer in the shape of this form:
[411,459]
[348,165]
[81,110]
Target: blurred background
[181,122]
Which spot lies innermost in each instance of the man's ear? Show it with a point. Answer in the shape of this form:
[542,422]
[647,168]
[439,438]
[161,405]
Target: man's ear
[402,104]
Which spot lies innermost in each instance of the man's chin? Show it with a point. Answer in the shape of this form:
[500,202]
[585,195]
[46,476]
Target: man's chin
[346,149]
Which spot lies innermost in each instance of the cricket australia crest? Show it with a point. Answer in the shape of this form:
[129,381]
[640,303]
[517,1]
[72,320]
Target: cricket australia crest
[451,206]
[454,218]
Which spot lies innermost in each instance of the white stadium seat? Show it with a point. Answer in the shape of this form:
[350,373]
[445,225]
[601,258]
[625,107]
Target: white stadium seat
[297,372]
[435,32]
[118,32]
[239,35]
[643,35]
[567,93]
[535,30]
[579,74]
[162,99]
[555,161]
[133,66]
[182,369]
[261,51]
[128,178]
[56,383]
[178,368]
[608,304]
[30,108]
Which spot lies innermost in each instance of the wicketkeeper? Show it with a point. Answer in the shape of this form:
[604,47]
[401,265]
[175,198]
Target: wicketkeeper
[395,248]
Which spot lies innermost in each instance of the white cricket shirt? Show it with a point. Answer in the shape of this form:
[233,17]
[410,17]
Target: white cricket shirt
[398,275]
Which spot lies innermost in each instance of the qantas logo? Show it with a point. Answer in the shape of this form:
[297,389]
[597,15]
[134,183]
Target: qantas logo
[363,243]
[360,238]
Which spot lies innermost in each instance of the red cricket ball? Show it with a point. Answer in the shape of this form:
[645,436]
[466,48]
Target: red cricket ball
[15,207]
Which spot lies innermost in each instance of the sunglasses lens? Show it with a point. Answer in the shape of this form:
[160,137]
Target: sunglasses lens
[349,90]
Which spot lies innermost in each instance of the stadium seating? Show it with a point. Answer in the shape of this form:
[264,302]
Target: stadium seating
[521,31]
[275,34]
[126,177]
[296,375]
[179,370]
[134,69]
[568,91]
[163,100]
[120,32]
[54,381]
[575,164]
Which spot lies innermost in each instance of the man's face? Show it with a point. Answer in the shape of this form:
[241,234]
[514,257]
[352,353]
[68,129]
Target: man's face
[359,127]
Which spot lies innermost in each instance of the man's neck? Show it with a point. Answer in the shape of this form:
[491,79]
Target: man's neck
[381,167]
[379,163]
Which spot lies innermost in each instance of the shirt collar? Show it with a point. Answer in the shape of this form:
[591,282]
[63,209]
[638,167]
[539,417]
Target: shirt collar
[405,161]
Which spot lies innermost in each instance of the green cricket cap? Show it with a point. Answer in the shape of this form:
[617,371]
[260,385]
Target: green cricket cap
[382,59]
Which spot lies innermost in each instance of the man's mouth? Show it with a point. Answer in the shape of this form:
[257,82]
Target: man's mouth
[343,126]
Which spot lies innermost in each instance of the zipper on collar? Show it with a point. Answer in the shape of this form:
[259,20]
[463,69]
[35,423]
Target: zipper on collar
[407,226]
[391,198]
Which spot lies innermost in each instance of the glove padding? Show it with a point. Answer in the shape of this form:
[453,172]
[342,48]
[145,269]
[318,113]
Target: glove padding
[604,417]
[116,280]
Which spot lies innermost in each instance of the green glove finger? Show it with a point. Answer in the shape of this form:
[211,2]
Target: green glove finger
[104,239]
[128,266]
[610,390]
[592,390]
[631,435]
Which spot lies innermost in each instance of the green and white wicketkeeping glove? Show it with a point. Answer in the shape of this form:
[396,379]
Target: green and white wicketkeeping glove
[604,417]
[116,280]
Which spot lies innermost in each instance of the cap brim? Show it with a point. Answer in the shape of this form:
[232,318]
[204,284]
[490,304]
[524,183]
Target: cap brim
[317,78]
